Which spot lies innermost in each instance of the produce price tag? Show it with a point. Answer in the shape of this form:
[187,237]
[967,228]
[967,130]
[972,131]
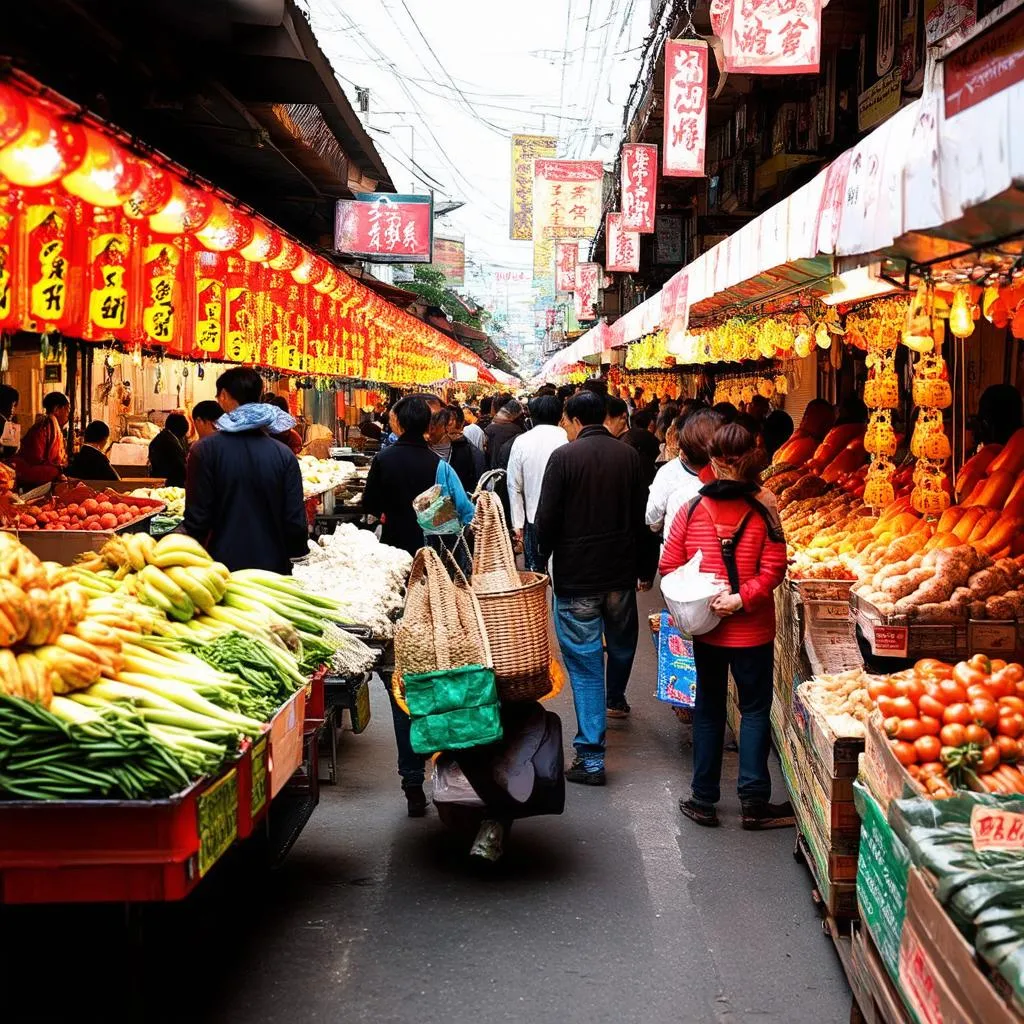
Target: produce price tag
[217,811]
[258,797]
[917,979]
[890,641]
[994,829]
[993,637]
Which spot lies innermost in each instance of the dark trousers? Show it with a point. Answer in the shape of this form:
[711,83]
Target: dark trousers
[410,764]
[752,670]
[531,553]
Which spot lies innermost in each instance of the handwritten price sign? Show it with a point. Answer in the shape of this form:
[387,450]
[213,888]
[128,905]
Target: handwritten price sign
[994,829]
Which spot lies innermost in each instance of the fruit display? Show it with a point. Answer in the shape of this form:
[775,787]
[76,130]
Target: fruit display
[320,475]
[106,510]
[172,497]
[843,699]
[956,726]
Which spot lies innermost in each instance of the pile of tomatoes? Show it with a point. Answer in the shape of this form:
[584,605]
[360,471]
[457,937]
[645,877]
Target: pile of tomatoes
[91,514]
[961,724]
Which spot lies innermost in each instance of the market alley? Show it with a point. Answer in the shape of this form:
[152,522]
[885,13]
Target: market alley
[618,911]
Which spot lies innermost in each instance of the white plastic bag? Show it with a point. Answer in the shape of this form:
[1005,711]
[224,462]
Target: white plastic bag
[688,593]
[451,786]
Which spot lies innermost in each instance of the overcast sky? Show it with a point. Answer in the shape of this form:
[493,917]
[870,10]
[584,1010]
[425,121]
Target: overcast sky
[451,80]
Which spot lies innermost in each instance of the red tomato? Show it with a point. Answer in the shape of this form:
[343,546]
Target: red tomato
[905,753]
[72,508]
[932,668]
[981,662]
[90,505]
[1014,672]
[881,688]
[928,748]
[930,726]
[885,705]
[967,675]
[912,688]
[930,706]
[933,768]
[952,692]
[997,665]
[904,707]
[108,521]
[933,689]
[990,758]
[1000,685]
[985,712]
[92,523]
[1011,725]
[1011,704]
[957,714]
[978,691]
[1008,748]
[909,729]
[975,733]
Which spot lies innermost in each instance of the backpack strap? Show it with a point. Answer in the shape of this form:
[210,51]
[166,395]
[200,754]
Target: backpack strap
[730,534]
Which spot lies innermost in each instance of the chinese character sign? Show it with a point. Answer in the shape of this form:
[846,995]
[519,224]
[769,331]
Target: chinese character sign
[675,304]
[567,198]
[566,257]
[686,108]
[769,37]
[386,228]
[450,259]
[588,282]
[526,149]
[639,187]
[622,247]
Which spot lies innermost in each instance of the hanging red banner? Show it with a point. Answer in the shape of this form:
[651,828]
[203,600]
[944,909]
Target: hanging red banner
[566,257]
[113,297]
[208,312]
[622,248]
[686,108]
[567,198]
[769,37]
[639,187]
[588,283]
[162,289]
[241,344]
[8,258]
[385,228]
[54,273]
[675,303]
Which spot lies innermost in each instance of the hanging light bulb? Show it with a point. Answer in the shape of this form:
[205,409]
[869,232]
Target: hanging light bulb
[961,323]
[48,148]
[137,356]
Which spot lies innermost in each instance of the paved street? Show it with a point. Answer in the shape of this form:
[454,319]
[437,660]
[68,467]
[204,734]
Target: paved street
[618,911]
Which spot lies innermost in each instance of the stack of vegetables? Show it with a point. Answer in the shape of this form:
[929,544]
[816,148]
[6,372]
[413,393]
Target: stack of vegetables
[956,726]
[982,890]
[110,691]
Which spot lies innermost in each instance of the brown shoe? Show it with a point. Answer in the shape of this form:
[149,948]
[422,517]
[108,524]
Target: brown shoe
[760,814]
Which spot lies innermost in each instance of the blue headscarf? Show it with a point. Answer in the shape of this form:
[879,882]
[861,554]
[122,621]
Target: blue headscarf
[254,416]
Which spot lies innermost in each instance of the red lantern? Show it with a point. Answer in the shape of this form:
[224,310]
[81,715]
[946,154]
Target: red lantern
[329,282]
[48,148]
[265,244]
[150,193]
[227,231]
[188,209]
[106,176]
[289,257]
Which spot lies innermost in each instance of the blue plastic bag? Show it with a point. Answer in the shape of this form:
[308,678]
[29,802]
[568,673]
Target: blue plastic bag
[677,673]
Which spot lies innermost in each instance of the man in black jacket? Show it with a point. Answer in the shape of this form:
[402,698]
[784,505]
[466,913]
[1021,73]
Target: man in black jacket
[397,475]
[91,462]
[168,449]
[641,437]
[243,492]
[591,519]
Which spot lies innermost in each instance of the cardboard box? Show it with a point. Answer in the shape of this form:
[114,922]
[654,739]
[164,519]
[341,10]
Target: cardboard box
[882,866]
[939,977]
[886,778]
[834,756]
[882,1003]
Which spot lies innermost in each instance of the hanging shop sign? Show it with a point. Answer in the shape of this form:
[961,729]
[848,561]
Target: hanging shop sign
[675,304]
[566,258]
[639,187]
[769,37]
[107,277]
[686,108]
[588,283]
[986,65]
[526,149]
[941,17]
[668,238]
[450,259]
[385,228]
[622,247]
[51,266]
[162,270]
[567,198]
[543,267]
[208,299]
[880,101]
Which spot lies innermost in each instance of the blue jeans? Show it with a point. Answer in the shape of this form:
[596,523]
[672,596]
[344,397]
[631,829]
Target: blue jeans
[531,553]
[580,623]
[752,670]
[410,764]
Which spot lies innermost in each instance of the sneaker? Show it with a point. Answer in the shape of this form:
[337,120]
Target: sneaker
[579,772]
[760,814]
[416,799]
[702,814]
[489,842]
[620,709]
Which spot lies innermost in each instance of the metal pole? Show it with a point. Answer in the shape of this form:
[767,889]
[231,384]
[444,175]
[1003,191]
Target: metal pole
[71,383]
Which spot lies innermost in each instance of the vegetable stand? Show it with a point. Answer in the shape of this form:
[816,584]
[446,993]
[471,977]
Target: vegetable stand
[158,850]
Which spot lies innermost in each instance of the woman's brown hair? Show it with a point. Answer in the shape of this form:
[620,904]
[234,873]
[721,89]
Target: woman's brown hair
[695,436]
[735,448]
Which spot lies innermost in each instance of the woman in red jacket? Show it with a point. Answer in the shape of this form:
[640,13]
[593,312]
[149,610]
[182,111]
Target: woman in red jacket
[743,545]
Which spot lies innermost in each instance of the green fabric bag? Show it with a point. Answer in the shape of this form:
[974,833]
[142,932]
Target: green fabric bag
[452,709]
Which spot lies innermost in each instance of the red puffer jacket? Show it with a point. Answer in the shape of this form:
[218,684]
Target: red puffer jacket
[760,558]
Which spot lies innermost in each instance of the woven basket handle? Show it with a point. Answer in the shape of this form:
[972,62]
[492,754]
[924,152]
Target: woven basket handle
[438,606]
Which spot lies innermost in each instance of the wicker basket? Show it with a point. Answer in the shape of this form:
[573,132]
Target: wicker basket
[514,607]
